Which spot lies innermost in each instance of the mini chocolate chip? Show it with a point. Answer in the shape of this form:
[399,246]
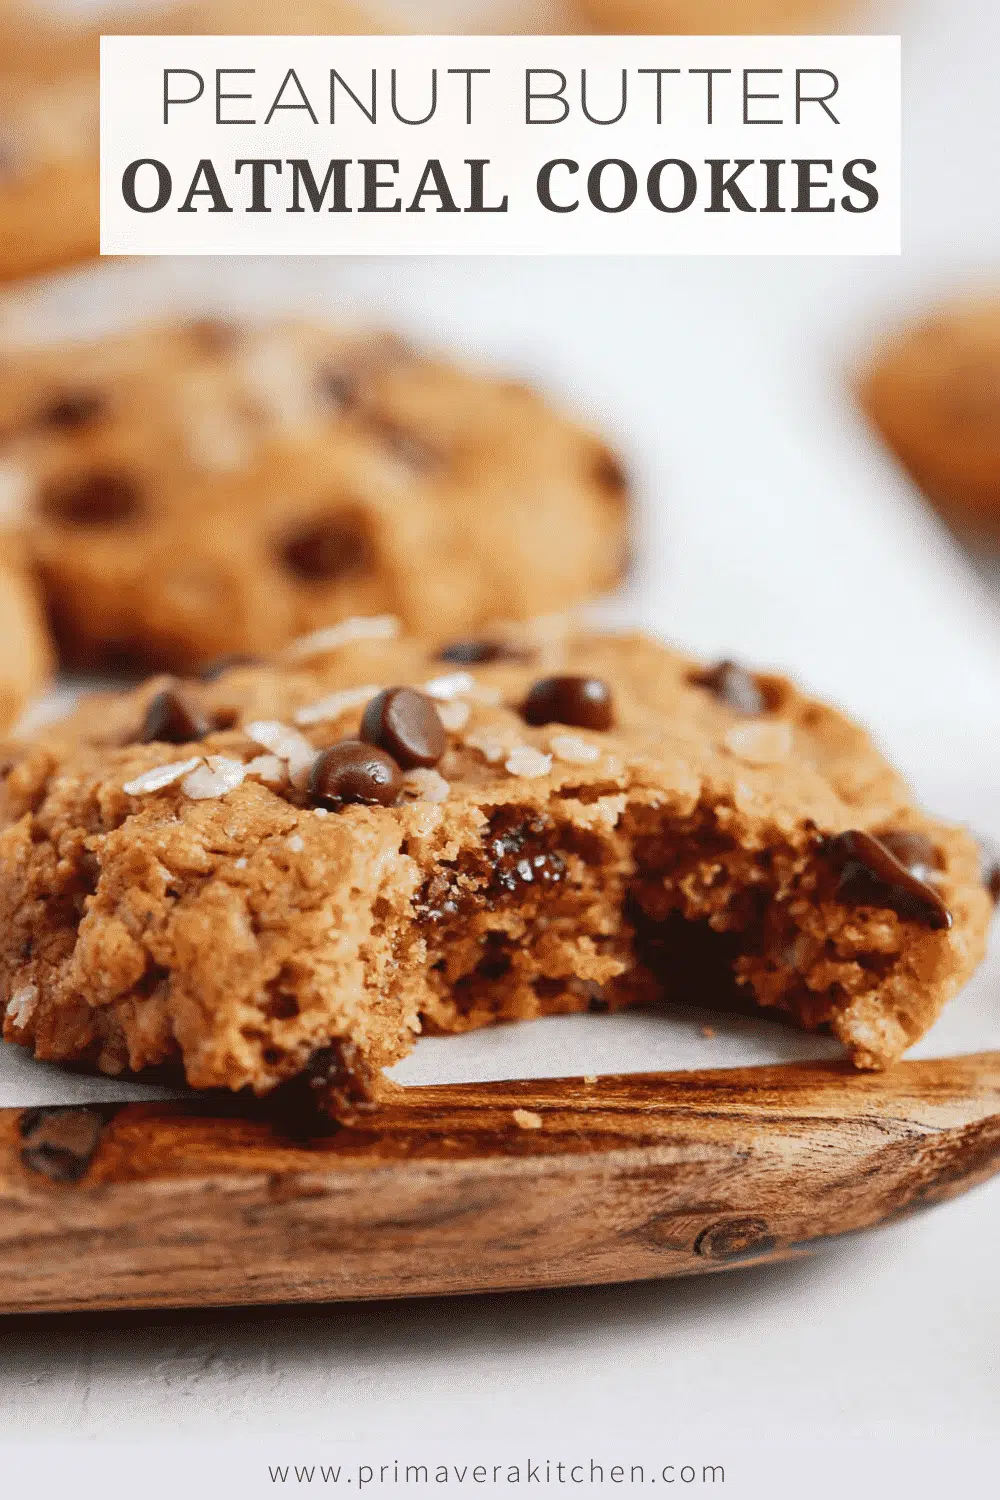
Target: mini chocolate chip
[171,720]
[870,875]
[733,685]
[94,500]
[73,409]
[213,670]
[338,387]
[479,653]
[582,702]
[328,548]
[354,772]
[611,476]
[913,850]
[407,724]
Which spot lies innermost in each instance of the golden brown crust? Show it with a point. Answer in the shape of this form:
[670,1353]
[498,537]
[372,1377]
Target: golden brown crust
[933,391]
[204,489]
[533,870]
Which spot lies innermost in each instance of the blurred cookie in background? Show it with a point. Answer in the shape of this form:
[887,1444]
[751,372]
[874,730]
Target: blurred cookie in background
[933,392]
[49,140]
[26,657]
[708,17]
[50,111]
[194,491]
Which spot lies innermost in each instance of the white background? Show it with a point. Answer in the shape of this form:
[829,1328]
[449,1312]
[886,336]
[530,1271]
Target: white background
[865,127]
[775,529]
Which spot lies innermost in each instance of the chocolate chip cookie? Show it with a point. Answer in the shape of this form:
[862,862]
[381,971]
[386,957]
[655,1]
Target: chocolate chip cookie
[705,17]
[933,391]
[205,489]
[25,653]
[278,875]
[49,112]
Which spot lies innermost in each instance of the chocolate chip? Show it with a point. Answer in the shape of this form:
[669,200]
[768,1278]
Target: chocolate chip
[582,702]
[338,387]
[611,476]
[328,548]
[171,720]
[94,500]
[213,670]
[734,686]
[870,875]
[479,653]
[913,850]
[407,724]
[73,409]
[354,772]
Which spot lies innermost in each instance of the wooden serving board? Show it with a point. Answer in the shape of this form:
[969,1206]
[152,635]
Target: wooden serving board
[480,1187]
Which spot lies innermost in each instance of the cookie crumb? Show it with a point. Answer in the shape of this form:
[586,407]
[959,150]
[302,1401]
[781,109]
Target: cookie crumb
[708,1031]
[526,1119]
[528,762]
[760,744]
[590,1077]
[336,704]
[574,751]
[159,777]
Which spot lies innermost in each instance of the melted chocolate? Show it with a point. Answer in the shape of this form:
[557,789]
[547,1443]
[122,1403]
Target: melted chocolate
[869,874]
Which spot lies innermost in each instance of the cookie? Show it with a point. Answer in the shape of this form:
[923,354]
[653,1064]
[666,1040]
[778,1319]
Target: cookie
[705,17]
[933,392]
[195,491]
[279,875]
[25,652]
[49,114]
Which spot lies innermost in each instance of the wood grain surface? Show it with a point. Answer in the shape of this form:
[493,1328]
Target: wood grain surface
[479,1187]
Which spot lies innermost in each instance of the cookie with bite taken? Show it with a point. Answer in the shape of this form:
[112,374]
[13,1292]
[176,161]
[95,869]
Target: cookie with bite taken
[278,875]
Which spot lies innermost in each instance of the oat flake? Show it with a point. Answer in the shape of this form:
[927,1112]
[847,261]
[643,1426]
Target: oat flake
[528,762]
[159,777]
[21,1004]
[760,744]
[427,785]
[336,704]
[219,776]
[573,750]
[357,628]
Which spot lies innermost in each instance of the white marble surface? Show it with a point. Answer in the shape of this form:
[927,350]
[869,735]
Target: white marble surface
[772,528]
